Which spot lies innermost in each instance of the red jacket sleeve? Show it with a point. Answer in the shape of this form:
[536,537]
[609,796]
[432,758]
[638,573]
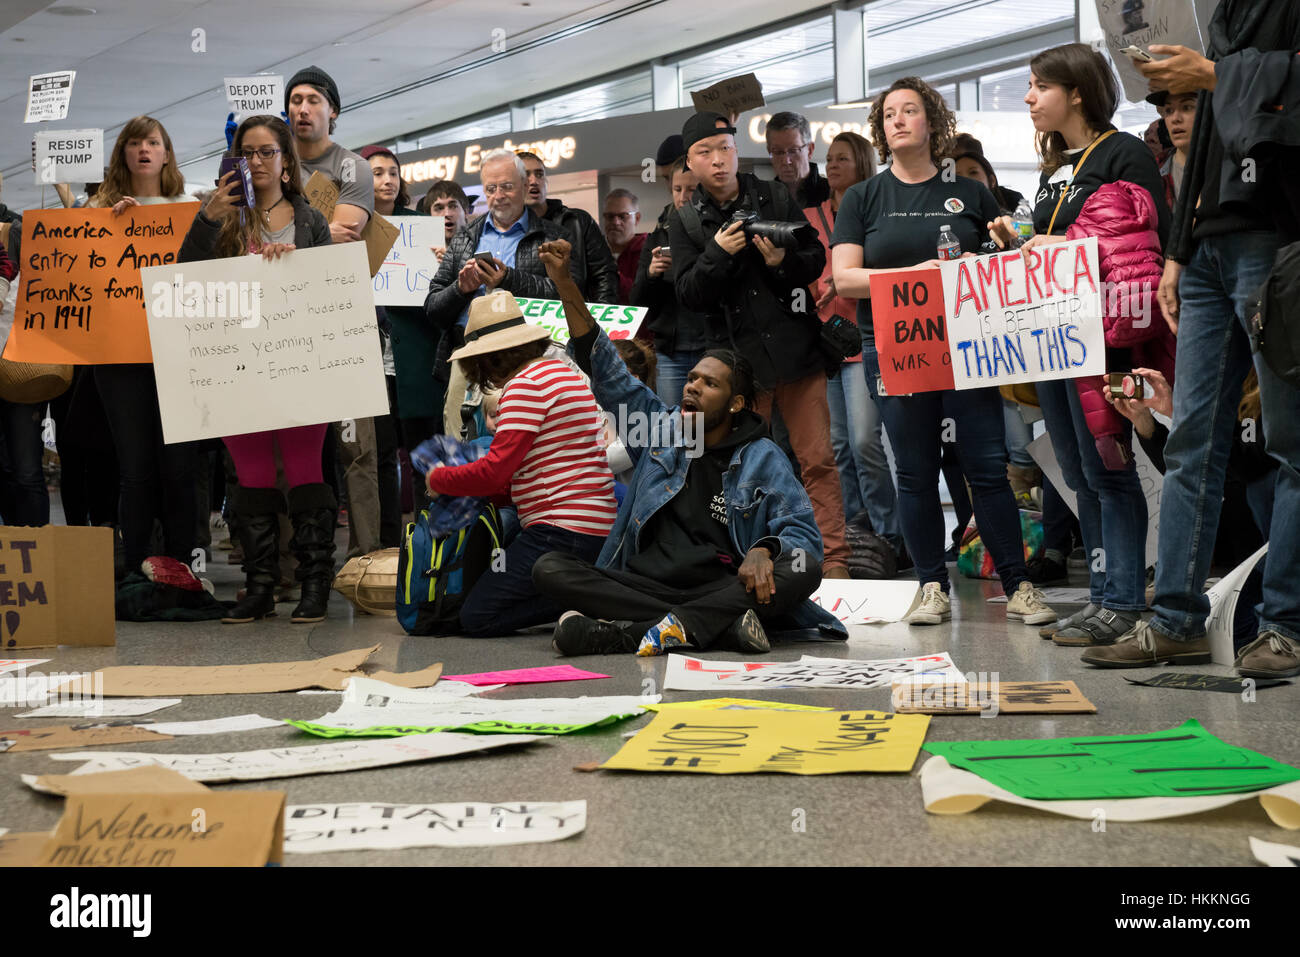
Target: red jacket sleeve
[489,476]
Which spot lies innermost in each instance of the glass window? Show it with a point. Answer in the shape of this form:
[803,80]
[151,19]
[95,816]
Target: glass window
[1005,90]
[789,59]
[477,128]
[630,94]
[912,29]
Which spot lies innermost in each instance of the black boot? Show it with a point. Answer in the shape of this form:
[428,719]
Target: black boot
[259,533]
[311,510]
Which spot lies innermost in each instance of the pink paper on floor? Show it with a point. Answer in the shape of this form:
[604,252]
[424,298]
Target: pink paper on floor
[524,676]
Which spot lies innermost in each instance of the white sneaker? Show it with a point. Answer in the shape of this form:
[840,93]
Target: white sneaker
[934,608]
[1029,606]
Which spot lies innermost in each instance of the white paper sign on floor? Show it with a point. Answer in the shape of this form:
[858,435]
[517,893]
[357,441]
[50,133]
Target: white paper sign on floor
[239,722]
[1274,854]
[48,95]
[245,345]
[1223,608]
[1053,595]
[409,267]
[36,690]
[315,828]
[8,665]
[349,755]
[104,707]
[866,602]
[695,674]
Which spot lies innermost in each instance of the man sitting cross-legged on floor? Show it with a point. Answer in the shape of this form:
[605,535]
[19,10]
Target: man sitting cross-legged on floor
[715,535]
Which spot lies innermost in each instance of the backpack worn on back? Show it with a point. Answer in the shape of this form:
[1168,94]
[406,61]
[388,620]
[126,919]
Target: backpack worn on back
[1275,326]
[435,574]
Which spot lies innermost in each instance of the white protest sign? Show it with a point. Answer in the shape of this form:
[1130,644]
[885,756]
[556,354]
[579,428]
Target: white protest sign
[69,156]
[246,345]
[619,322]
[1223,607]
[350,755]
[866,602]
[104,707]
[254,95]
[1014,318]
[1150,477]
[684,673]
[19,664]
[314,828]
[35,690]
[1274,854]
[48,95]
[1125,23]
[238,722]
[409,267]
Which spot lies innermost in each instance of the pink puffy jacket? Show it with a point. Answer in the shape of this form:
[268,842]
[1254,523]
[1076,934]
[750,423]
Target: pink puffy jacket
[1123,217]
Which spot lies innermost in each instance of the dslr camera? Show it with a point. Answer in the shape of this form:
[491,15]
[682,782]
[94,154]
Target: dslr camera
[783,235]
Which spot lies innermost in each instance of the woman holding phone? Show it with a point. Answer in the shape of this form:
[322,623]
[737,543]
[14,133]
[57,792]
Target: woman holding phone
[893,221]
[156,481]
[280,221]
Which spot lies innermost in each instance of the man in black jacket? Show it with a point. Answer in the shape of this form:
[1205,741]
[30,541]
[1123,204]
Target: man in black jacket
[507,239]
[755,294]
[790,145]
[593,266]
[1231,218]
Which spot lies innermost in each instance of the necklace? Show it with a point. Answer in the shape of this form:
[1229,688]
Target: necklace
[266,213]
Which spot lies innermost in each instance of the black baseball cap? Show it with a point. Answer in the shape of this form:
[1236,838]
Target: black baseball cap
[670,151]
[703,125]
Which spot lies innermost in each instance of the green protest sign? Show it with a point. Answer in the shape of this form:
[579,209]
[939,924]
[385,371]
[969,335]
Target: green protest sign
[619,322]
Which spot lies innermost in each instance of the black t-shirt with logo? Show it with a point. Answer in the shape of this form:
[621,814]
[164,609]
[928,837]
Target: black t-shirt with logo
[897,224]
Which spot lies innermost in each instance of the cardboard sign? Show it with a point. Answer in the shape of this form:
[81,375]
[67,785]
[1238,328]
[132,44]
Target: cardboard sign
[66,736]
[907,315]
[56,586]
[733,95]
[619,322]
[141,780]
[423,678]
[1195,681]
[18,849]
[1171,22]
[301,346]
[316,828]
[949,790]
[866,602]
[48,95]
[1223,608]
[69,156]
[292,762]
[747,742]
[409,267]
[1013,318]
[378,234]
[254,95]
[684,673]
[216,829]
[152,681]
[991,698]
[80,300]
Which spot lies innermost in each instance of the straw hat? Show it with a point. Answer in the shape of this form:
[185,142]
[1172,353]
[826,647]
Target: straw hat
[29,382]
[496,322]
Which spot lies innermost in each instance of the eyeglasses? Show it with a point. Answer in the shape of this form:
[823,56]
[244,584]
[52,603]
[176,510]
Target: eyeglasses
[504,188]
[265,152]
[791,154]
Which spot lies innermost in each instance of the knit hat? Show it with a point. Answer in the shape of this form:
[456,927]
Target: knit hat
[703,125]
[496,322]
[314,76]
[964,145]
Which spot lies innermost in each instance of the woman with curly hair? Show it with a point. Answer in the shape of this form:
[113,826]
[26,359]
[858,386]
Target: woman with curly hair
[893,221]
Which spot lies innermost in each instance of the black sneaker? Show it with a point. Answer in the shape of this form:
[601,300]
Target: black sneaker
[576,634]
[1046,570]
[746,634]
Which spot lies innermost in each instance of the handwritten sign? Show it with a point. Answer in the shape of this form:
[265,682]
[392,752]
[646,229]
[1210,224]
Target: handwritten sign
[409,267]
[253,95]
[990,698]
[48,95]
[56,586]
[245,345]
[787,742]
[684,673]
[1125,23]
[69,156]
[619,322]
[80,300]
[866,602]
[378,234]
[907,315]
[732,95]
[1014,318]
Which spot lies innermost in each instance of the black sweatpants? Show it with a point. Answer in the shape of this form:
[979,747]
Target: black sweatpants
[706,610]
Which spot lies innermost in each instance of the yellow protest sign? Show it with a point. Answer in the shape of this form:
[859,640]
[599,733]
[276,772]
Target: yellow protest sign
[731,704]
[788,742]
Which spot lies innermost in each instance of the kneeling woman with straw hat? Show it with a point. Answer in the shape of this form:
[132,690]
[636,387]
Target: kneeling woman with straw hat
[547,457]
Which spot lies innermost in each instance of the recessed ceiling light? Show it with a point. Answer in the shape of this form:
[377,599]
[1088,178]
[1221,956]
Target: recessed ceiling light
[339,43]
[74,11]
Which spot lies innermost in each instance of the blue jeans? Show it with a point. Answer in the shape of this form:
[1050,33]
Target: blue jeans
[24,499]
[1019,434]
[1112,506]
[1213,359]
[916,425]
[505,600]
[865,479]
[670,374]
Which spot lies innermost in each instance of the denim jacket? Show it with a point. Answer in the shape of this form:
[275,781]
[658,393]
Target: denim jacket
[766,504]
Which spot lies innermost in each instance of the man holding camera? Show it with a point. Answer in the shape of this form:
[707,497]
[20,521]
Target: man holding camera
[744,255]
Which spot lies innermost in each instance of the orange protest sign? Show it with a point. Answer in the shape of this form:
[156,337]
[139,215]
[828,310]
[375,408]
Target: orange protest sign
[80,299]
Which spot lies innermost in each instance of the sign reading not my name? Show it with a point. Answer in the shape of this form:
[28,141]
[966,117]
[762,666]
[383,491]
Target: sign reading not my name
[246,345]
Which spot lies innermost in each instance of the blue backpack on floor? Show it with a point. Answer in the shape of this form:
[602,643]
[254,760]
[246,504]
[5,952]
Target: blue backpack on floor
[435,573]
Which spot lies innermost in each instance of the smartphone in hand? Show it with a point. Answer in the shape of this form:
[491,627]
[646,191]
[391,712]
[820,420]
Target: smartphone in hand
[239,166]
[1137,53]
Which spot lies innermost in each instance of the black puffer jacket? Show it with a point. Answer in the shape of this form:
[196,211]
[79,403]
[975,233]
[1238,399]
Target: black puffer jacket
[593,263]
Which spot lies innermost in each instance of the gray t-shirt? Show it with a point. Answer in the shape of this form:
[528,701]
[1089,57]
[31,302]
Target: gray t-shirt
[349,172]
[285,234]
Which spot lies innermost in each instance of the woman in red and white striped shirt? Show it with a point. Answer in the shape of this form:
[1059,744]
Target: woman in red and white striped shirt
[547,458]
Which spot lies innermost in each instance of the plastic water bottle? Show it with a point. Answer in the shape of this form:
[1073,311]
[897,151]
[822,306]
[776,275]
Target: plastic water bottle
[1023,220]
[949,247]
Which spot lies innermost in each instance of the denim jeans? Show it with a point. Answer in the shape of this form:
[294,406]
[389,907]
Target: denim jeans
[1213,359]
[916,425]
[670,374]
[865,478]
[1112,506]
[1019,434]
[25,500]
[506,600]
